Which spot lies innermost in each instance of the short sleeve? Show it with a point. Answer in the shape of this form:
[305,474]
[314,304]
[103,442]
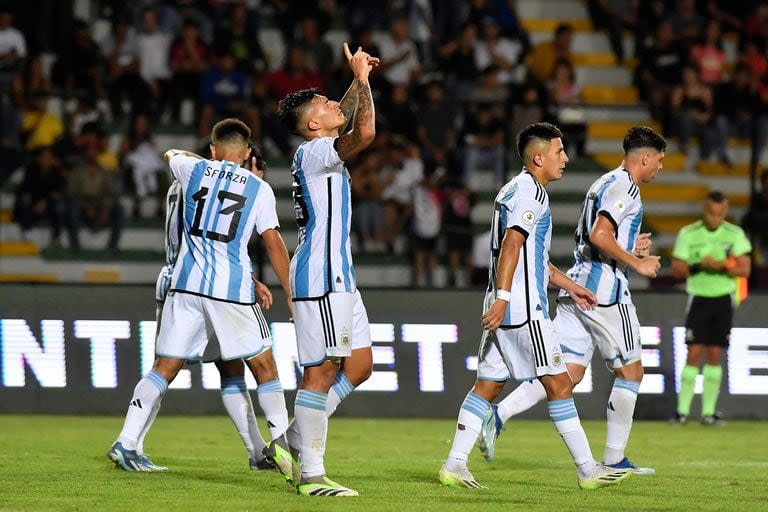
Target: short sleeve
[182,166]
[741,245]
[323,152]
[266,211]
[617,201]
[681,250]
[523,214]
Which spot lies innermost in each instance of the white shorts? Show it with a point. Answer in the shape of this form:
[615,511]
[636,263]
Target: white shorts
[614,330]
[190,322]
[521,353]
[331,326]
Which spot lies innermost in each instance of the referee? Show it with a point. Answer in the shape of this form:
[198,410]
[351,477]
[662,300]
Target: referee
[710,253]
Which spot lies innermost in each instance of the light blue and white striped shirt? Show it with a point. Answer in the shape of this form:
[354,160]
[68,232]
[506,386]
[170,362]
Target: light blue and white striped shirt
[615,196]
[173,235]
[223,204]
[523,205]
[322,262]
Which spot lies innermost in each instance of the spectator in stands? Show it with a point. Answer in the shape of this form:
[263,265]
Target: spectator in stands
[457,230]
[120,50]
[659,71]
[483,138]
[398,113]
[687,24]
[729,13]
[425,230]
[693,101]
[755,221]
[541,61]
[435,130]
[400,63]
[93,199]
[78,66]
[189,60]
[141,160]
[366,194]
[33,81]
[404,171]
[741,112]
[755,23]
[511,27]
[565,96]
[85,112]
[41,195]
[489,90]
[708,55]
[294,76]
[458,62]
[614,16]
[317,53]
[39,127]
[224,93]
[528,105]
[495,50]
[154,66]
[13,47]
[238,37]
[753,57]
[366,15]
[288,12]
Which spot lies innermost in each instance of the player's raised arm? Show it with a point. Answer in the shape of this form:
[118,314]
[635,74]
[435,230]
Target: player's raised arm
[363,128]
[173,152]
[509,255]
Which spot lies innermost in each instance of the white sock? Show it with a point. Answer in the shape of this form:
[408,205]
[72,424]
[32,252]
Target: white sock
[150,422]
[525,396]
[566,420]
[237,402]
[473,411]
[621,408]
[342,387]
[272,403]
[312,423]
[148,392]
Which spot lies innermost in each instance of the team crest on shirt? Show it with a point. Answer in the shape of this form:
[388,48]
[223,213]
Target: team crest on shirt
[345,339]
[529,218]
[556,360]
[620,205]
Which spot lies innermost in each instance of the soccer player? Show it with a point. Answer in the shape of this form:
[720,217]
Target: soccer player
[332,331]
[212,297]
[608,245]
[518,339]
[711,254]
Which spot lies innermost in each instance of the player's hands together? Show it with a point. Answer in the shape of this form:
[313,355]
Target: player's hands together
[360,62]
[648,266]
[494,315]
[263,295]
[583,298]
[711,263]
[643,245]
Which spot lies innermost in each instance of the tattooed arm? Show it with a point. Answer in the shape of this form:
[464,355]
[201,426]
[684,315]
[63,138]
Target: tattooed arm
[363,127]
[348,106]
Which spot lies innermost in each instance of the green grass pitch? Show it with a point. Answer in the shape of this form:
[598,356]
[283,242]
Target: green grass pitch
[59,463]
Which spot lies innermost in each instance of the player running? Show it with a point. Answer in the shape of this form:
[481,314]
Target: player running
[210,297]
[608,245]
[518,339]
[332,331]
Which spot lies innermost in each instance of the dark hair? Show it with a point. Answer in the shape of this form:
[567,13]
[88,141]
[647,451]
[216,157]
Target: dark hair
[643,137]
[562,28]
[533,132]
[716,196]
[289,109]
[230,131]
[261,164]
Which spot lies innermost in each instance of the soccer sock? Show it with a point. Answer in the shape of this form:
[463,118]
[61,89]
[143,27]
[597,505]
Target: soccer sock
[621,408]
[342,387]
[566,419]
[525,396]
[687,385]
[237,402]
[312,423]
[713,374]
[473,411]
[150,422]
[148,392]
[272,403]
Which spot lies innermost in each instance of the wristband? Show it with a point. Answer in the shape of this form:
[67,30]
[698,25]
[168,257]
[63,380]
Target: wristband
[694,269]
[504,295]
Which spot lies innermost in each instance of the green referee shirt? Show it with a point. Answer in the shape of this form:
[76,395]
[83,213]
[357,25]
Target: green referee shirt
[695,241]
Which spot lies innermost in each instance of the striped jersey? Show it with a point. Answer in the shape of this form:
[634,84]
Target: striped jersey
[223,205]
[523,205]
[322,262]
[173,236]
[615,196]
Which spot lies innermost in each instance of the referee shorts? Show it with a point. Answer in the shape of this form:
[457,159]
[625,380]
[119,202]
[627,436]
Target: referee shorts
[708,320]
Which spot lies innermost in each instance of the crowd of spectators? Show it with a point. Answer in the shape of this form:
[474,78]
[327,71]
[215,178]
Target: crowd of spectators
[457,80]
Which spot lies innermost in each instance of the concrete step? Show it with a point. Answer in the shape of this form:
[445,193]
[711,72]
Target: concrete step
[603,76]
[613,129]
[609,95]
[586,41]
[552,9]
